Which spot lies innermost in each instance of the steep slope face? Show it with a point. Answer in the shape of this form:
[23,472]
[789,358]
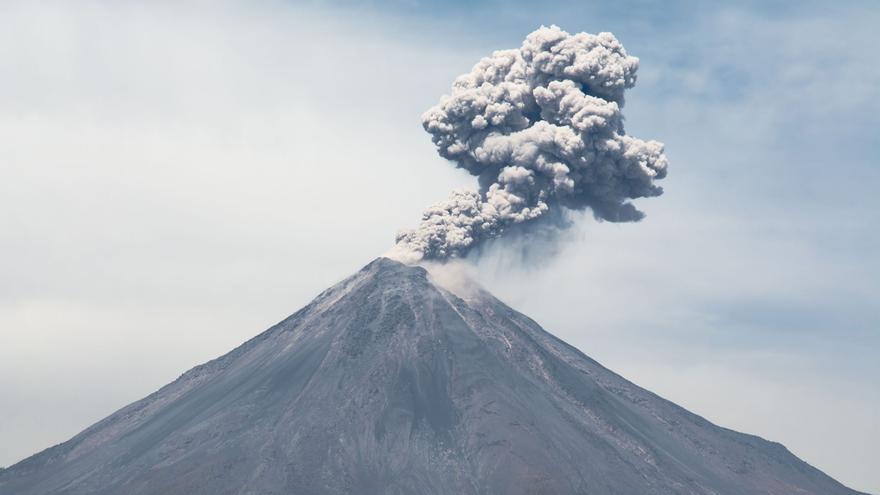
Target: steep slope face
[388,384]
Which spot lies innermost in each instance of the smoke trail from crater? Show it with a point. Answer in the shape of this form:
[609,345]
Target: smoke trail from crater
[541,127]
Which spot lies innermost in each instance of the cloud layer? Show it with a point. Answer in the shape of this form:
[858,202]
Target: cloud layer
[541,127]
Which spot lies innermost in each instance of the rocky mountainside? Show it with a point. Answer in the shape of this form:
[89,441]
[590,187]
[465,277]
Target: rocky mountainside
[388,384]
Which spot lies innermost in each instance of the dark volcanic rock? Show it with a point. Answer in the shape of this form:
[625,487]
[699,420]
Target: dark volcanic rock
[388,384]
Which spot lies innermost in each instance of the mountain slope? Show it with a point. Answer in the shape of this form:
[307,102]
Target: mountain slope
[388,384]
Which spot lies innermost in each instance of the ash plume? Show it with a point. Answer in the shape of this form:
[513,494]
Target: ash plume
[541,127]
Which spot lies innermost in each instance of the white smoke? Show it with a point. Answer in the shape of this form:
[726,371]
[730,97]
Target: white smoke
[541,128]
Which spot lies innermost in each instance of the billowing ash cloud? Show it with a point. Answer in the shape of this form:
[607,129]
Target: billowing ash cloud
[541,128]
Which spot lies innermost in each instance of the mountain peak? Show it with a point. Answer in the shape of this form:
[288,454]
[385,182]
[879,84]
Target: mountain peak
[389,383]
[388,265]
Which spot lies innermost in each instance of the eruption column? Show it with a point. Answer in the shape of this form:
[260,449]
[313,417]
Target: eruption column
[541,127]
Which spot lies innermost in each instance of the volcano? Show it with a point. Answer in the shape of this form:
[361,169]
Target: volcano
[387,383]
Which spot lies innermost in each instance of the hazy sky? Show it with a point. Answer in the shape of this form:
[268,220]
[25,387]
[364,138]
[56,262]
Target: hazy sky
[176,178]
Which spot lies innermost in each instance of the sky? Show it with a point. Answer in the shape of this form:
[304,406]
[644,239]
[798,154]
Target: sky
[178,176]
